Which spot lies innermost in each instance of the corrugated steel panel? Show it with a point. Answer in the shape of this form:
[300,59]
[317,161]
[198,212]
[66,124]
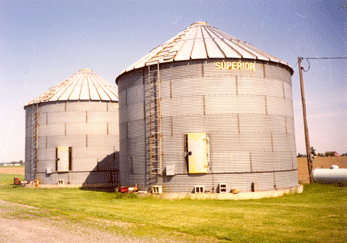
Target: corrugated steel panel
[178,106]
[66,117]
[271,161]
[72,141]
[202,86]
[98,153]
[87,128]
[52,130]
[278,72]
[283,179]
[135,111]
[180,70]
[42,118]
[101,117]
[264,86]
[233,161]
[225,141]
[135,129]
[123,98]
[290,125]
[86,164]
[202,41]
[288,91]
[87,106]
[135,95]
[48,107]
[218,104]
[258,123]
[211,123]
[102,140]
[42,143]
[84,85]
[123,134]
[132,78]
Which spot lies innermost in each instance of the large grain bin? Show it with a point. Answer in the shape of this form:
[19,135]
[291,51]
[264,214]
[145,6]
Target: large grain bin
[207,112]
[72,133]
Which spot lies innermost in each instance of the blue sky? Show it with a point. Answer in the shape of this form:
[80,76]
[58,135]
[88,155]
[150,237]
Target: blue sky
[42,43]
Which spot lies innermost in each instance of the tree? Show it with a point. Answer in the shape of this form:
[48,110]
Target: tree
[313,151]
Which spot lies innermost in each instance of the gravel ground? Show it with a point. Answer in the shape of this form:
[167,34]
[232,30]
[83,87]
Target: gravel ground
[27,228]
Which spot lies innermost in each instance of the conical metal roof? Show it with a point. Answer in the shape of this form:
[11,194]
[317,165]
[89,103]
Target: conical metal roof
[202,41]
[84,85]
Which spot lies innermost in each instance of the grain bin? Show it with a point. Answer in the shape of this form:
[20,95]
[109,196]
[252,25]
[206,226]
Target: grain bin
[72,132]
[205,111]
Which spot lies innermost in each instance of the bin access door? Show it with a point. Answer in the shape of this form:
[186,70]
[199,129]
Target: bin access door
[198,153]
[63,159]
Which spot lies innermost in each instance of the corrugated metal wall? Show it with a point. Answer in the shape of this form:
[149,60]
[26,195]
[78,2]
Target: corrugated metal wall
[90,128]
[248,116]
[30,160]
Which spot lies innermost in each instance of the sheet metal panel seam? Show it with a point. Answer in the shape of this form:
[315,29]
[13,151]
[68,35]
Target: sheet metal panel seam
[222,38]
[214,42]
[95,87]
[191,51]
[101,86]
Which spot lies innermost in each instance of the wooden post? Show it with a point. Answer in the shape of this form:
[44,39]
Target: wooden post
[307,141]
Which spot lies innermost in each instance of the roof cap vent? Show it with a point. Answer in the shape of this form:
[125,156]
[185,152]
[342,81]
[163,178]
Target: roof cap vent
[200,22]
[86,70]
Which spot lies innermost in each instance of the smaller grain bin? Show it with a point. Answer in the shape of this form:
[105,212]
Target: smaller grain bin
[72,132]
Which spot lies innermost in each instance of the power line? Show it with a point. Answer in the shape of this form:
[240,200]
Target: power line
[325,57]
[309,65]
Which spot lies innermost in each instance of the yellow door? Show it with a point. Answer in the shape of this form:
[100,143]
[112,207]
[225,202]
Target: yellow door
[63,159]
[198,153]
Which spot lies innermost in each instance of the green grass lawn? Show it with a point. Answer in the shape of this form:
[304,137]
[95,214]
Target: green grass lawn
[316,215]
[8,178]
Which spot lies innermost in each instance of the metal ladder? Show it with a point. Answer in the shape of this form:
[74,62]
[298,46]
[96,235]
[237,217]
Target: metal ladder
[153,164]
[34,138]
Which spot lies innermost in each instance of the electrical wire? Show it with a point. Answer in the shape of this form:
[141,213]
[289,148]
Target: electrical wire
[326,58]
[301,181]
[295,65]
[309,65]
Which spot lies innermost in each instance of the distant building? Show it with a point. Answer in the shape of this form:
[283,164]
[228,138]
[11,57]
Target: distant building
[331,153]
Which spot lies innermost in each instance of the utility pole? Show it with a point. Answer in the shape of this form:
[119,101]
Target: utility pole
[307,141]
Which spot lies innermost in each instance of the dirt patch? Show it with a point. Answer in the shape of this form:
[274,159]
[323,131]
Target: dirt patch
[18,223]
[319,162]
[12,170]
